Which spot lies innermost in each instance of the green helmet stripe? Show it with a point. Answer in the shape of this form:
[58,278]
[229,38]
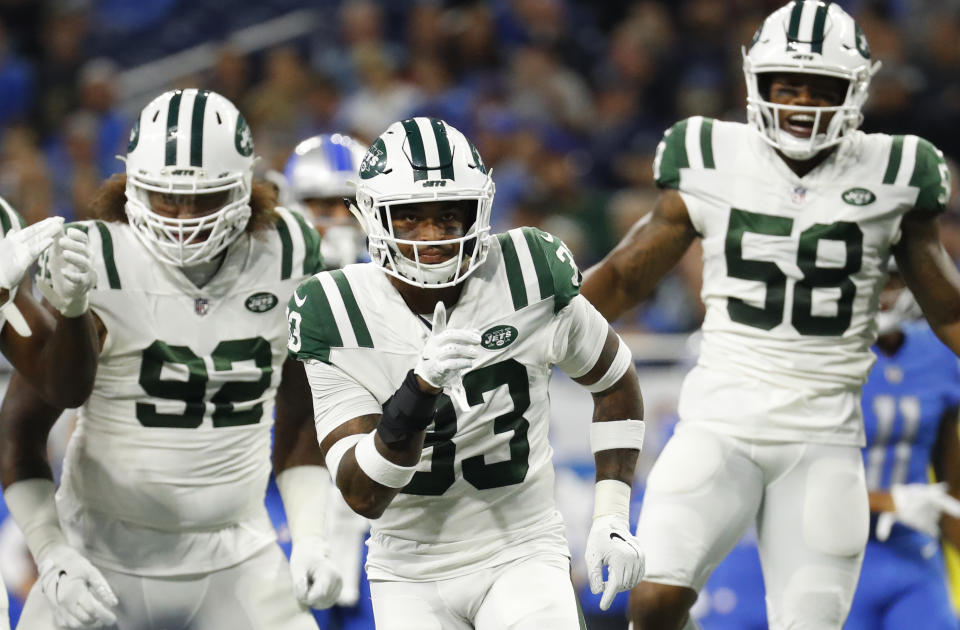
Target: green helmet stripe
[418,156]
[196,128]
[444,153]
[893,165]
[816,40]
[173,114]
[793,31]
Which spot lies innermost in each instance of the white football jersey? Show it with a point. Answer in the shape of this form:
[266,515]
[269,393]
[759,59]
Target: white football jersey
[167,469]
[484,491]
[793,267]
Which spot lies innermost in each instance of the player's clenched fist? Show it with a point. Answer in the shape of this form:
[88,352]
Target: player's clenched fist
[77,591]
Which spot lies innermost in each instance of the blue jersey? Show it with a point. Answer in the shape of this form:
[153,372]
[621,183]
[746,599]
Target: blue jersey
[904,401]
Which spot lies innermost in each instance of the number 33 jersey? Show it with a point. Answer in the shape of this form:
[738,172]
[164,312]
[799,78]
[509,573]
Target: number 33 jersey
[167,469]
[484,491]
[793,267]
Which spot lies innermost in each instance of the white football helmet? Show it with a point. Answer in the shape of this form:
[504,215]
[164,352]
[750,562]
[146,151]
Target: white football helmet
[189,143]
[415,161]
[325,168]
[808,37]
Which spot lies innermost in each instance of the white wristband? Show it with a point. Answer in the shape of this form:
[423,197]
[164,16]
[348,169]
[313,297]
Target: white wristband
[611,497]
[378,467]
[32,505]
[336,452]
[304,490]
[616,370]
[616,434]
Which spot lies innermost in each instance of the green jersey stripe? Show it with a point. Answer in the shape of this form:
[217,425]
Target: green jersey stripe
[444,153]
[893,165]
[793,31]
[360,330]
[540,264]
[173,116]
[816,40]
[8,218]
[511,265]
[107,245]
[196,128]
[931,176]
[311,246]
[286,244]
[418,155]
[706,142]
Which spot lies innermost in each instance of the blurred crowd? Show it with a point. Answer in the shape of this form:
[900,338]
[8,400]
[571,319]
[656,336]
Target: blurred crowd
[565,99]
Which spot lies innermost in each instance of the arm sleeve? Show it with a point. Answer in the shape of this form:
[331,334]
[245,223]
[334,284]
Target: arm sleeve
[337,398]
[579,337]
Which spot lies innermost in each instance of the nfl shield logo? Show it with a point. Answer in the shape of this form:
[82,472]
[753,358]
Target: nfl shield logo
[201,306]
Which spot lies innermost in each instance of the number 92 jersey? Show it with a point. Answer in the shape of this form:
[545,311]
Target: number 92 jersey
[167,469]
[484,491]
[792,272]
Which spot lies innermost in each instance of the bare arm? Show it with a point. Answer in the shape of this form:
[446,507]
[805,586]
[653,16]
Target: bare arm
[59,358]
[365,496]
[295,438]
[622,401]
[25,422]
[946,464]
[632,270]
[931,276]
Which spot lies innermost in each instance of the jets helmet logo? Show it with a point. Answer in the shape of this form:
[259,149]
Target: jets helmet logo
[375,161]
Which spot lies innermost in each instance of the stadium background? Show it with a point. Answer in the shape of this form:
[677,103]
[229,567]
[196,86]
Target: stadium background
[565,100]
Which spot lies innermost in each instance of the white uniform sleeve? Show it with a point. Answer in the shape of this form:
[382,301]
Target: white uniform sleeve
[579,337]
[337,398]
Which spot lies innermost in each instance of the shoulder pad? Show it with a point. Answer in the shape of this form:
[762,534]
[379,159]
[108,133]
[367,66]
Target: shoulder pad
[323,313]
[300,245]
[10,219]
[534,258]
[687,144]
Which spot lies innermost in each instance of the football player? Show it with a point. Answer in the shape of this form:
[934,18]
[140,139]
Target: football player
[37,342]
[159,520]
[40,344]
[429,367]
[798,212]
[910,403]
[318,179]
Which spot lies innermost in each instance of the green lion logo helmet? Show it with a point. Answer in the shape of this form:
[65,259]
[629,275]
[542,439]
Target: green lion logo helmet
[189,146]
[808,37]
[414,161]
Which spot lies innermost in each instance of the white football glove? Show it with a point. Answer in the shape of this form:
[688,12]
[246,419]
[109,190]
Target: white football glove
[77,591]
[448,353]
[71,273]
[316,581]
[918,505]
[611,544]
[20,249]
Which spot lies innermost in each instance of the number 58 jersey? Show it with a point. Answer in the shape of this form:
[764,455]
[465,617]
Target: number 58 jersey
[483,493]
[167,469]
[793,267]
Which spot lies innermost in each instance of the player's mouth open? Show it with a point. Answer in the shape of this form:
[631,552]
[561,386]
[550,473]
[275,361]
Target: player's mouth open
[800,125]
